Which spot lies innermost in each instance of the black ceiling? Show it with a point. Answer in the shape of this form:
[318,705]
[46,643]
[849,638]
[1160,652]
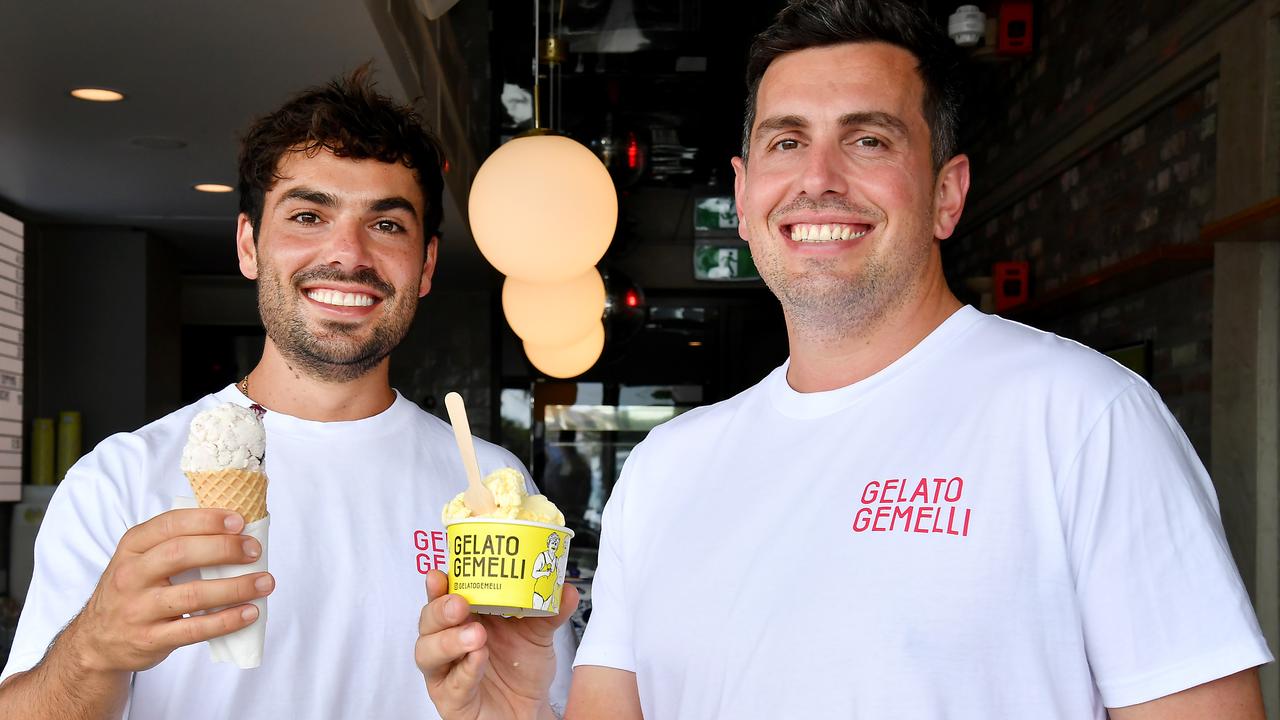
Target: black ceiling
[682,87]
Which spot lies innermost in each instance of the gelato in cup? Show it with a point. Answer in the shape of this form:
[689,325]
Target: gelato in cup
[508,567]
[511,561]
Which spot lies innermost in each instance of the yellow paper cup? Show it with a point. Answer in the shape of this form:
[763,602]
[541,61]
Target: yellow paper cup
[508,567]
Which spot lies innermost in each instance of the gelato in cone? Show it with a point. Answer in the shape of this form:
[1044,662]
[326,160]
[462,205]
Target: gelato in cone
[223,461]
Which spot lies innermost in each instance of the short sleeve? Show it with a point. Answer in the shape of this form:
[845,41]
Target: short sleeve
[1162,604]
[607,641]
[77,538]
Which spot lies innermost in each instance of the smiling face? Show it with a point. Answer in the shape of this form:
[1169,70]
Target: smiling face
[340,261]
[839,200]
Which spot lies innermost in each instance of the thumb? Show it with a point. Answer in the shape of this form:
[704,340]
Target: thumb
[568,604]
[437,584]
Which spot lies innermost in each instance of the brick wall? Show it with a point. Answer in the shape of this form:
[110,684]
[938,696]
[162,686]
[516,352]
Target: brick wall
[1150,184]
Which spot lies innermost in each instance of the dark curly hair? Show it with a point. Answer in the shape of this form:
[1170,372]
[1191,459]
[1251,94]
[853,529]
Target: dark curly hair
[804,24]
[350,119]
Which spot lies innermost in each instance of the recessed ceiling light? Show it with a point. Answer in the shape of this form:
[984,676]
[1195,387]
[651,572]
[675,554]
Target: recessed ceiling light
[695,343]
[213,188]
[97,94]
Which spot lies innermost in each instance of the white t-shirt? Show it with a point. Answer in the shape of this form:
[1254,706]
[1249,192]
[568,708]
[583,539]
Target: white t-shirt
[1001,524]
[355,523]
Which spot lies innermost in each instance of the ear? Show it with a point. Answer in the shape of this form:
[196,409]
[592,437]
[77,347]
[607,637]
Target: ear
[949,192]
[428,266]
[739,186]
[246,247]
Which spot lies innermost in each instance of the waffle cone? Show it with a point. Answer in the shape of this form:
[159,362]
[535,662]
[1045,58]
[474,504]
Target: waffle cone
[244,491]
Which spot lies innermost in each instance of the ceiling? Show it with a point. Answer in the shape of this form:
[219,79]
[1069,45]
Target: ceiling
[667,72]
[192,72]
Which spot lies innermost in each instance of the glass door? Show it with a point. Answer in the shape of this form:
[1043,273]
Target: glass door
[575,438]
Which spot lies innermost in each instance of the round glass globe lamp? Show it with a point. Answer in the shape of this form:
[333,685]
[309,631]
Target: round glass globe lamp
[554,313]
[566,361]
[543,208]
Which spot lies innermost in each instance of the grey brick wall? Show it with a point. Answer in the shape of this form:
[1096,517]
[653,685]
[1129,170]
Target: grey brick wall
[1150,185]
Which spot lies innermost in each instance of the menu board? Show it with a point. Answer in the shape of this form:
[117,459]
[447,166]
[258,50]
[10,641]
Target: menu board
[11,311]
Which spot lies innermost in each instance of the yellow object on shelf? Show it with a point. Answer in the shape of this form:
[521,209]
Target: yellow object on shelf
[42,451]
[68,441]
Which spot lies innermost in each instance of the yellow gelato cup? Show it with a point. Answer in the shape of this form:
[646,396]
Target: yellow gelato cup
[508,567]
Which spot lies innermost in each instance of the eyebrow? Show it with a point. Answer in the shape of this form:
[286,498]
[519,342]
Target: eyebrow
[324,199]
[394,203]
[312,196]
[884,120]
[781,122]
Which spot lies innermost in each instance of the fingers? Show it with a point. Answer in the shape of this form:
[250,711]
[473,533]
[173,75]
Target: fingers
[189,597]
[192,521]
[461,683]
[569,599]
[446,631]
[198,628]
[178,554]
[546,627]
[436,652]
[443,613]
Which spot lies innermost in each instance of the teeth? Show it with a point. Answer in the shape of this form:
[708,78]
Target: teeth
[831,232]
[341,299]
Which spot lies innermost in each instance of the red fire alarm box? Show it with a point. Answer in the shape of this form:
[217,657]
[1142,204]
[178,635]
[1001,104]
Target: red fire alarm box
[1013,36]
[1010,281]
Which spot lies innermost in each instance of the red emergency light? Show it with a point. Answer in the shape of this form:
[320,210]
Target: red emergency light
[633,151]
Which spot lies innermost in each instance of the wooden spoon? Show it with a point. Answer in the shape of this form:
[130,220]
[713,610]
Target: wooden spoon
[478,497]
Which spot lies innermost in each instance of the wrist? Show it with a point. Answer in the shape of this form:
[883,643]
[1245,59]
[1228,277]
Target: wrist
[66,682]
[79,655]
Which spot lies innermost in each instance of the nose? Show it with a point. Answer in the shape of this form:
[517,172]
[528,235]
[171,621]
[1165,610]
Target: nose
[824,171]
[348,246]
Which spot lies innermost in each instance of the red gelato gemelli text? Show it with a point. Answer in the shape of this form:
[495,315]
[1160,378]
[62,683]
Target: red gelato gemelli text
[433,550]
[925,506]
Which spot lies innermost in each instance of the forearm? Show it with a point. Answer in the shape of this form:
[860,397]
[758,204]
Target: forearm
[64,686]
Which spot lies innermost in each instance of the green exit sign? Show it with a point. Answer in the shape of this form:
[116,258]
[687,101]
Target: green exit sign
[724,262]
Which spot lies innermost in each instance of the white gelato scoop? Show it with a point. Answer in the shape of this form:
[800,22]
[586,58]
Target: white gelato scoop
[228,437]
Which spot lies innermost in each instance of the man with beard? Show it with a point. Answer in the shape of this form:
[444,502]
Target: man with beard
[340,195]
[927,512]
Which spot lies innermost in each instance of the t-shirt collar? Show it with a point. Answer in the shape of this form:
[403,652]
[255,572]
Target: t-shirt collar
[276,422]
[792,403]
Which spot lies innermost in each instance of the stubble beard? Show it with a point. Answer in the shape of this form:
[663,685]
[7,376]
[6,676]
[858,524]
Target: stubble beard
[334,354]
[825,305]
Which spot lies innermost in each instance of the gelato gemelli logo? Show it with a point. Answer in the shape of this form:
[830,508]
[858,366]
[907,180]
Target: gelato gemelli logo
[488,555]
[432,550]
[927,506]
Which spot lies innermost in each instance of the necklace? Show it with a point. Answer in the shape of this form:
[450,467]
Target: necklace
[243,387]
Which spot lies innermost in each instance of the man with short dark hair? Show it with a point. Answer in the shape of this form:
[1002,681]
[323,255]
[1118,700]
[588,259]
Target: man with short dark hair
[340,193]
[926,512]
